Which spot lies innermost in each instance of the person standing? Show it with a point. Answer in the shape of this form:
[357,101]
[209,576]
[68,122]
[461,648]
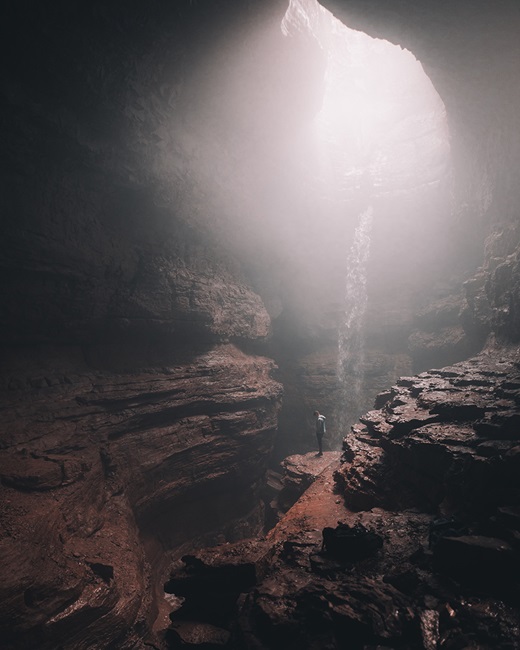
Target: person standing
[320,430]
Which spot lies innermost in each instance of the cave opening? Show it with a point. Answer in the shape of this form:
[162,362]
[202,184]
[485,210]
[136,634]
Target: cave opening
[376,178]
[172,172]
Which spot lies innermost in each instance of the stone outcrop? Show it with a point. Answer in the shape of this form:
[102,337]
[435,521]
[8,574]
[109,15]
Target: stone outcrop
[298,473]
[97,469]
[431,558]
[443,441]
[138,410]
[111,278]
[404,595]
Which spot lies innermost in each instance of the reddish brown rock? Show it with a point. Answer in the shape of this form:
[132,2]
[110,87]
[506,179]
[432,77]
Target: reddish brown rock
[97,462]
[313,600]
[121,215]
[299,472]
[187,634]
[431,450]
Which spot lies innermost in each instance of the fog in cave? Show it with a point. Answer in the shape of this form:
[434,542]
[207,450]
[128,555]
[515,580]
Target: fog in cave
[373,132]
[378,154]
[219,218]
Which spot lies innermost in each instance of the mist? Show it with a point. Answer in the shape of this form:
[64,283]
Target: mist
[282,159]
[220,218]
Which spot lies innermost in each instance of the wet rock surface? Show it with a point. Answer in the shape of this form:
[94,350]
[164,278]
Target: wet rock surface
[209,583]
[286,484]
[299,473]
[96,467]
[443,441]
[121,241]
[430,559]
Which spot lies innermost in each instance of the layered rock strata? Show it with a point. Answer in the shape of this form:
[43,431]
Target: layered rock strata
[444,441]
[101,471]
[431,557]
[129,177]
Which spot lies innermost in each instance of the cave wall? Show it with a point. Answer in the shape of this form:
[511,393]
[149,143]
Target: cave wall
[103,473]
[457,277]
[139,408]
[470,51]
[138,412]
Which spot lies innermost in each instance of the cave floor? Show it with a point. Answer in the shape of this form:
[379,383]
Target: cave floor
[305,597]
[318,507]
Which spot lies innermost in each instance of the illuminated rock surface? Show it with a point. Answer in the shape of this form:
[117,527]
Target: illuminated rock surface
[443,441]
[151,458]
[430,559]
[162,211]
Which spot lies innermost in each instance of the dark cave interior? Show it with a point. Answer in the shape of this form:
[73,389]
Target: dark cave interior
[218,217]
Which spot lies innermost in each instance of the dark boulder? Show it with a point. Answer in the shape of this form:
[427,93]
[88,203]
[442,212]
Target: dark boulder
[350,543]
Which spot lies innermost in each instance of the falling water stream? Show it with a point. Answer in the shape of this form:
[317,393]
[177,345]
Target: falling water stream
[379,138]
[350,368]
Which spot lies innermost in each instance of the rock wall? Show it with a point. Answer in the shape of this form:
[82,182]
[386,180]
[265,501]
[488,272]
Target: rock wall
[456,278]
[96,466]
[432,470]
[443,441]
[130,424]
[463,50]
[135,416]
[420,551]
[144,262]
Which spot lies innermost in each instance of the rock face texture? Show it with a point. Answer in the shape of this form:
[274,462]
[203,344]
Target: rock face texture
[420,551]
[137,411]
[433,472]
[161,211]
[444,441]
[101,472]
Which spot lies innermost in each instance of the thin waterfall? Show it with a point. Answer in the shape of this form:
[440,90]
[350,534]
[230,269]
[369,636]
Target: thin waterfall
[380,136]
[351,348]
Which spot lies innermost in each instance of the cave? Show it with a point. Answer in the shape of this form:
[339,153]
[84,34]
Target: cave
[220,217]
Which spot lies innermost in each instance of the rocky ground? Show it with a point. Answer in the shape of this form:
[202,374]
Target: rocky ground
[411,542]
